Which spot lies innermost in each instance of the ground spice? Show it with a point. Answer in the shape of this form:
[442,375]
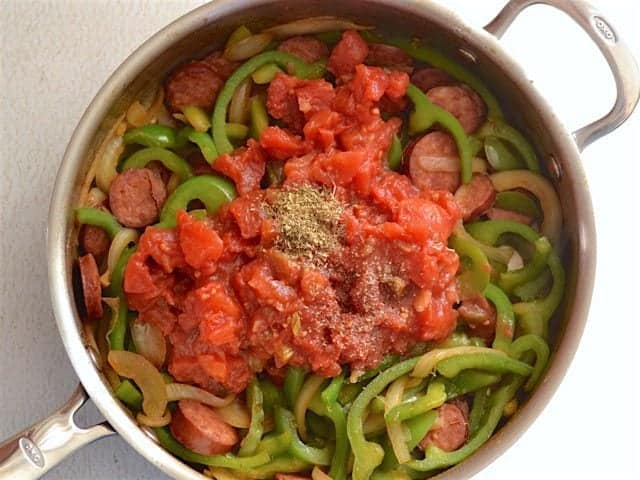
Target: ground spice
[309,221]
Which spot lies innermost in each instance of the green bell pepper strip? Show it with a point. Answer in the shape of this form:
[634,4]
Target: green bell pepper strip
[437,59]
[426,114]
[505,319]
[204,142]
[537,345]
[285,464]
[275,444]
[497,128]
[336,413]
[258,117]
[469,381]
[153,135]
[256,427]
[320,427]
[435,396]
[224,461]
[500,156]
[236,131]
[238,34]
[118,330]
[518,202]
[435,458]
[532,290]
[298,449]
[285,60]
[173,162]
[419,426]
[478,409]
[533,316]
[494,362]
[212,190]
[98,218]
[461,339]
[509,280]
[129,394]
[266,73]
[377,405]
[271,396]
[385,363]
[369,455]
[349,393]
[394,156]
[293,381]
[197,118]
[479,274]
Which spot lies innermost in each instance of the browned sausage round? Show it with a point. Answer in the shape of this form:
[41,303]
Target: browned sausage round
[451,429]
[462,102]
[308,49]
[200,428]
[136,197]
[221,65]
[476,197]
[427,78]
[381,55]
[501,214]
[193,84]
[160,169]
[479,317]
[90,278]
[433,161]
[94,240]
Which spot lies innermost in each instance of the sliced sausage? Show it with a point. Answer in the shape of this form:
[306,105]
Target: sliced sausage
[381,55]
[451,429]
[198,164]
[501,214]
[221,65]
[90,279]
[160,169]
[433,162]
[476,197]
[192,84]
[199,428]
[427,78]
[479,317]
[462,102]
[136,197]
[308,49]
[94,240]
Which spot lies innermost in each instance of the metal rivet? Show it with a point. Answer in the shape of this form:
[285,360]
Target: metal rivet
[554,168]
[468,55]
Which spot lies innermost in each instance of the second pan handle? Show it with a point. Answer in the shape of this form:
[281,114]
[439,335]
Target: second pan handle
[623,66]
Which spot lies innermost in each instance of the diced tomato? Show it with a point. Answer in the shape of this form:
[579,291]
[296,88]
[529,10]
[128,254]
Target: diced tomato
[159,315]
[214,365]
[281,144]
[162,245]
[200,243]
[350,51]
[282,102]
[246,167]
[248,213]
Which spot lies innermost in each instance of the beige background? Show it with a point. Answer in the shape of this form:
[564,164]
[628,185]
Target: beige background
[54,55]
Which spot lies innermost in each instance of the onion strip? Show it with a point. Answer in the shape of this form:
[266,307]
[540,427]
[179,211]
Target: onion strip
[395,430]
[248,47]
[307,392]
[312,25]
[147,377]
[183,391]
[221,474]
[235,414]
[149,342]
[107,162]
[239,106]
[317,474]
[154,422]
[95,198]
[120,241]
[427,363]
[544,192]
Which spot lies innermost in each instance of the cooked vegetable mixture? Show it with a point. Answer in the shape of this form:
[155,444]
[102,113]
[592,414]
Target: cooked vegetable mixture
[319,253]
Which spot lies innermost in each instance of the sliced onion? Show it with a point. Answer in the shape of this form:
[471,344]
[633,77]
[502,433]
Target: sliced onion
[154,422]
[120,241]
[136,114]
[308,26]
[308,390]
[147,377]
[374,423]
[395,430]
[235,414]
[515,262]
[544,192]
[114,305]
[182,391]
[239,106]
[149,342]
[221,474]
[428,361]
[165,118]
[317,474]
[106,164]
[156,107]
[173,182]
[248,47]
[96,198]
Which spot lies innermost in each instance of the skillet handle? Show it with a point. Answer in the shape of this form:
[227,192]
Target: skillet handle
[33,452]
[623,66]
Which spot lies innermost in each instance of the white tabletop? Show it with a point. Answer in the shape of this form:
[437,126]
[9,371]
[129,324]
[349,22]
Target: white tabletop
[55,54]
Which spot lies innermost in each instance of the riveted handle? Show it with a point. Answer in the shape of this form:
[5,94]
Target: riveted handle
[33,452]
[623,66]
